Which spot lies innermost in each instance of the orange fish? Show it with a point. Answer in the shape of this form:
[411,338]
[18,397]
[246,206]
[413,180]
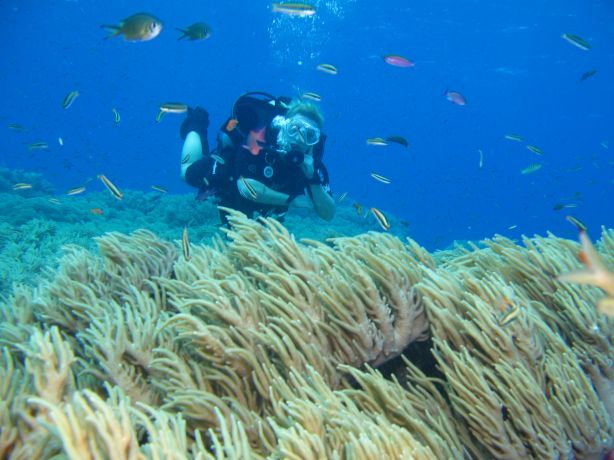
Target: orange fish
[97,211]
[255,139]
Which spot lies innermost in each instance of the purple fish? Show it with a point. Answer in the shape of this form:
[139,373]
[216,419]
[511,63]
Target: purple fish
[455,97]
[398,61]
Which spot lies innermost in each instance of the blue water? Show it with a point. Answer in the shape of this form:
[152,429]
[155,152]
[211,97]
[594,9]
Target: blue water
[507,58]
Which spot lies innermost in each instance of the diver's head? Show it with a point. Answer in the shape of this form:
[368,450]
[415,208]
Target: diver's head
[299,130]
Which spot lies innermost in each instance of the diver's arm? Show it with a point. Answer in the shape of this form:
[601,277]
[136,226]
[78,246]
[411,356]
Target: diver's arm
[256,191]
[194,132]
[323,203]
[191,152]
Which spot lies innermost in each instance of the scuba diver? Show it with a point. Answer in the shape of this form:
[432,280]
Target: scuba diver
[268,157]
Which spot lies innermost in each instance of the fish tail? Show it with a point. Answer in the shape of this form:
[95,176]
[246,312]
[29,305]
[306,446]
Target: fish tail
[116,30]
[184,33]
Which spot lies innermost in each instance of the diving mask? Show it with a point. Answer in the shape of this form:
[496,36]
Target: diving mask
[300,130]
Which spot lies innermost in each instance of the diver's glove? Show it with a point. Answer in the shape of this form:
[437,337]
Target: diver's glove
[197,121]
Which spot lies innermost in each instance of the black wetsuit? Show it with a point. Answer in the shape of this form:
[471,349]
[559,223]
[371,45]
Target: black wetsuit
[280,172]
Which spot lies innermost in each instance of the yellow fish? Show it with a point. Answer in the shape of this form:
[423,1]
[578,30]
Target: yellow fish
[139,27]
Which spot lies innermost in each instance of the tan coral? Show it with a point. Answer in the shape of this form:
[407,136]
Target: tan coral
[258,347]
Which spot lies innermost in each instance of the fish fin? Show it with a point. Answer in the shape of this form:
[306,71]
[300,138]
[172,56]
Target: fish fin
[184,33]
[115,30]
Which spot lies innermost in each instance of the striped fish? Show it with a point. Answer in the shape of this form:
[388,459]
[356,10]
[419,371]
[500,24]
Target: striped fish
[249,188]
[381,218]
[380,178]
[327,68]
[22,186]
[75,191]
[510,315]
[111,186]
[69,99]
[116,116]
[185,244]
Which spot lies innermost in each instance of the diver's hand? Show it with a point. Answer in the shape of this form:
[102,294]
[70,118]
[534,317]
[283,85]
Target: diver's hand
[301,201]
[307,166]
[197,121]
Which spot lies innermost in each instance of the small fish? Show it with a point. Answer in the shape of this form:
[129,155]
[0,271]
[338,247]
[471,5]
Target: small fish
[561,206]
[577,41]
[586,75]
[160,115]
[159,188]
[249,188]
[139,27]
[398,61]
[231,124]
[116,117]
[327,68]
[511,314]
[605,145]
[69,99]
[22,186]
[579,225]
[54,201]
[531,168]
[218,158]
[342,197]
[75,191]
[185,244]
[379,141]
[358,208]
[514,137]
[111,187]
[97,211]
[38,146]
[398,140]
[534,149]
[173,107]
[455,97]
[380,178]
[61,141]
[381,218]
[294,9]
[481,163]
[17,127]
[512,227]
[312,96]
[196,31]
